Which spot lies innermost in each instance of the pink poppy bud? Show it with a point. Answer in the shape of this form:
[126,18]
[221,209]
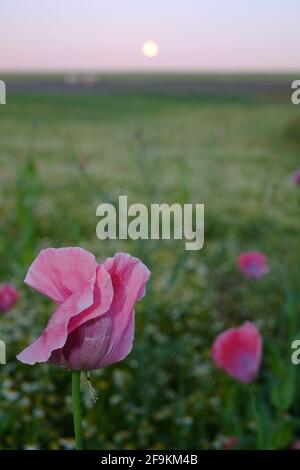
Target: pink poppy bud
[253,264]
[296,176]
[8,297]
[93,325]
[238,352]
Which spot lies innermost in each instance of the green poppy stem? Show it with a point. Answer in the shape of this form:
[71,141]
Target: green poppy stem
[77,409]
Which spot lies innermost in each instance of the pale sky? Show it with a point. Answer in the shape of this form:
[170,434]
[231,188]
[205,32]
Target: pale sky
[213,35]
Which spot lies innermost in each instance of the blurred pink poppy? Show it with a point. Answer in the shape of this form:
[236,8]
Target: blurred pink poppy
[295,445]
[238,352]
[231,442]
[93,325]
[8,297]
[253,264]
[296,176]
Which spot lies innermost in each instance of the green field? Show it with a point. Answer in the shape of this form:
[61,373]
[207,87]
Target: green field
[62,155]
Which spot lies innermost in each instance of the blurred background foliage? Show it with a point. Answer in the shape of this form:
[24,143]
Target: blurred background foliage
[64,154]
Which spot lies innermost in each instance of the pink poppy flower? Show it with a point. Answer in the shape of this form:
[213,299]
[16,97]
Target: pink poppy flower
[8,297]
[253,264]
[296,176]
[238,352]
[93,325]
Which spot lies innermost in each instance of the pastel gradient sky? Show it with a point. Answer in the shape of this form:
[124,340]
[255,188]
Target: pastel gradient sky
[213,35]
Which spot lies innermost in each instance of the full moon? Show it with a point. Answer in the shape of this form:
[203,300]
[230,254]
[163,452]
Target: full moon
[150,49]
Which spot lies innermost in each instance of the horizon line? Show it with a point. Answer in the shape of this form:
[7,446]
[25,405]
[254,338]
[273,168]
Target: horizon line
[172,71]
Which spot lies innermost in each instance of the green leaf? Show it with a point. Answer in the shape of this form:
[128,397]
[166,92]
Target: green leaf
[283,389]
[283,435]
